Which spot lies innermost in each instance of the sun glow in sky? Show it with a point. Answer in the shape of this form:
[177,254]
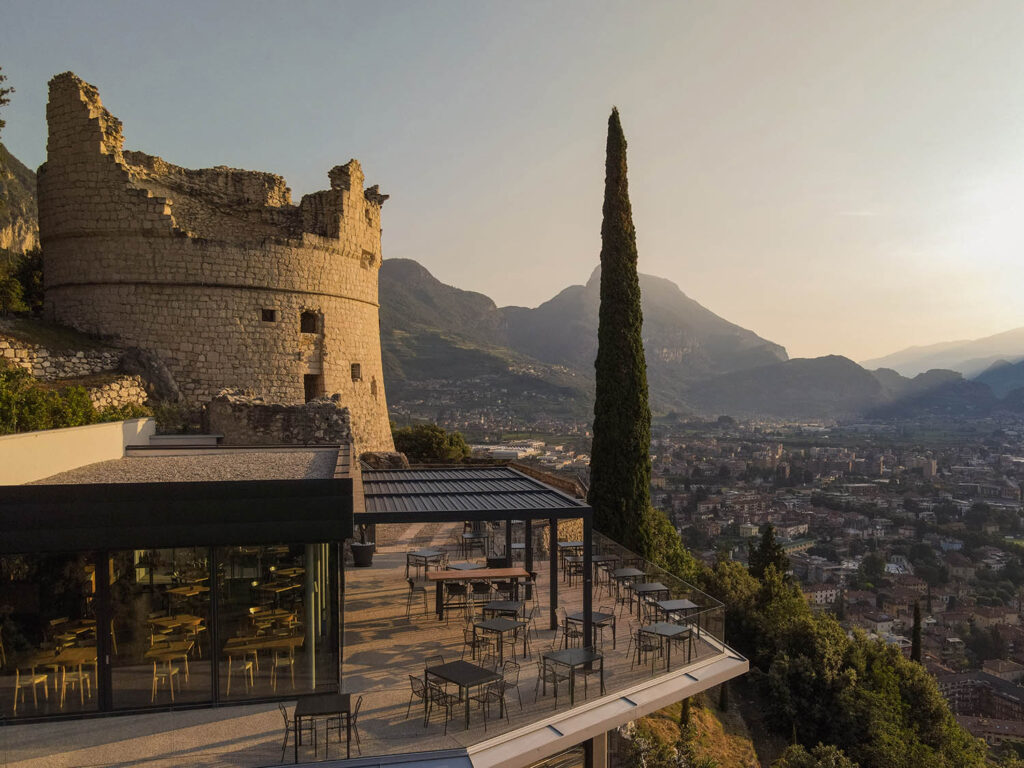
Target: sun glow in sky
[838,177]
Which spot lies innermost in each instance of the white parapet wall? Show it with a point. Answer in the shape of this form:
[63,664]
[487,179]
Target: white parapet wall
[34,455]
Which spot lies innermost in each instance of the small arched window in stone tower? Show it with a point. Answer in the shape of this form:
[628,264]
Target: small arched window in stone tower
[309,322]
[357,372]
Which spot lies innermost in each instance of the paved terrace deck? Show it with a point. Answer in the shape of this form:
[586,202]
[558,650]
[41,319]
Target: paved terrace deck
[382,648]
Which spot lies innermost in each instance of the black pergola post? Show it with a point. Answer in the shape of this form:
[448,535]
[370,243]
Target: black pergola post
[104,629]
[508,543]
[553,556]
[588,579]
[528,554]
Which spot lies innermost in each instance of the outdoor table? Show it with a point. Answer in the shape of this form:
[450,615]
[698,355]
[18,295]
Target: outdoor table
[498,626]
[464,675]
[323,705]
[422,557]
[620,575]
[669,607]
[465,566]
[188,590]
[597,618]
[648,588]
[168,623]
[574,658]
[667,632]
[290,573]
[504,607]
[477,574]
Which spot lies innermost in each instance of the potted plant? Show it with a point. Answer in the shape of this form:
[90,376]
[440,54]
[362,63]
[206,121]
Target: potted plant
[362,550]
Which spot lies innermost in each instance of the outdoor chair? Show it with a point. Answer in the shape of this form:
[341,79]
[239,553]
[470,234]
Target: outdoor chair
[505,589]
[644,644]
[336,722]
[417,690]
[480,593]
[455,596]
[417,589]
[493,693]
[572,633]
[437,697]
[552,676]
[587,671]
[490,661]
[289,728]
[482,642]
[27,677]
[510,676]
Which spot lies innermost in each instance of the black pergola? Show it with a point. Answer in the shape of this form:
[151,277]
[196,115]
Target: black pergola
[481,494]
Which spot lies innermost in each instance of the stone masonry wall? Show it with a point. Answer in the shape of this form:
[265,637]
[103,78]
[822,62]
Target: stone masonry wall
[212,269]
[124,390]
[49,365]
[246,420]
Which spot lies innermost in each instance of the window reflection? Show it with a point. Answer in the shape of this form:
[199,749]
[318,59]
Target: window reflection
[275,620]
[48,634]
[160,608]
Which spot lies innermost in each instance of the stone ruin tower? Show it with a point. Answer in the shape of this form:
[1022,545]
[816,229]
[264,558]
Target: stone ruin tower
[214,270]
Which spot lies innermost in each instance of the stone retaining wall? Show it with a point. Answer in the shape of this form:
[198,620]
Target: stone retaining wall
[243,419]
[46,365]
[124,390]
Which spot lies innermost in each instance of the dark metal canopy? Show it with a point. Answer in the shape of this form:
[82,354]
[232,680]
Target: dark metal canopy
[51,518]
[446,495]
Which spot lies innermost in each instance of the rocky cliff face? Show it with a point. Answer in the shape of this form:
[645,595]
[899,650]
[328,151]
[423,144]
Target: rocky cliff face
[19,218]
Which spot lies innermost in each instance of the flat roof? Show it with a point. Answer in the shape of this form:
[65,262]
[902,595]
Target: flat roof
[183,465]
[396,494]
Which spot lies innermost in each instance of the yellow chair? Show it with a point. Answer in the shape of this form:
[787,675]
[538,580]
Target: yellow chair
[31,680]
[283,660]
[167,673]
[75,678]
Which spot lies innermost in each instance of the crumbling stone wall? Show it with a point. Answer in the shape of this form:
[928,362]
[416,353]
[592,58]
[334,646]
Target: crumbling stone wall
[48,365]
[212,269]
[121,391]
[244,419]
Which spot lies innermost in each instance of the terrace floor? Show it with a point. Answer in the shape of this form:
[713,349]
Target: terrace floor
[382,649]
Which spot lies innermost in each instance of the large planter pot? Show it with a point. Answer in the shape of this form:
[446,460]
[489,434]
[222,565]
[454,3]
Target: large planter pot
[362,554]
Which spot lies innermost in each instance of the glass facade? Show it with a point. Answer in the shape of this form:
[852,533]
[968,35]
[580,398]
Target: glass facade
[48,634]
[185,625]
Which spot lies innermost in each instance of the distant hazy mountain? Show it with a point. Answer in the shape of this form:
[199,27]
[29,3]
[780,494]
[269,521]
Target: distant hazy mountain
[804,388]
[1002,377]
[969,357]
[434,332]
[19,223]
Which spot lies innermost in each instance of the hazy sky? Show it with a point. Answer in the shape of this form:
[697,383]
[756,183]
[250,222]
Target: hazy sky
[838,177]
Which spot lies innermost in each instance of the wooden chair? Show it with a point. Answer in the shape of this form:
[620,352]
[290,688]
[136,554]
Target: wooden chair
[74,679]
[245,666]
[27,677]
[283,660]
[164,672]
[289,728]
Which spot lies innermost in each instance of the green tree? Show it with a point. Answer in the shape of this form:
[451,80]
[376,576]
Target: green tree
[915,637]
[768,553]
[11,295]
[429,442]
[820,757]
[28,271]
[620,462]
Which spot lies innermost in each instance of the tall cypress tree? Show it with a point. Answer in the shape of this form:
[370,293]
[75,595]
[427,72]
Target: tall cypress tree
[915,638]
[620,461]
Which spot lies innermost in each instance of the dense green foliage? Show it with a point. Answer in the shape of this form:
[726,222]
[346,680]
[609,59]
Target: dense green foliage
[821,756]
[864,697]
[429,442]
[620,462]
[768,553]
[21,282]
[25,406]
[915,638]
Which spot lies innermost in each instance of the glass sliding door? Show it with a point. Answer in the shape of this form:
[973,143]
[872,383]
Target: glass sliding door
[48,651]
[277,621]
[160,620]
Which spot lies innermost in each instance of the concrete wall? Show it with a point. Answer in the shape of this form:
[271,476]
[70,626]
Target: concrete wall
[34,455]
[184,263]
